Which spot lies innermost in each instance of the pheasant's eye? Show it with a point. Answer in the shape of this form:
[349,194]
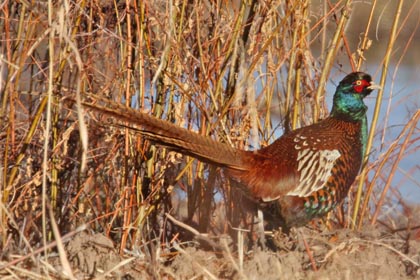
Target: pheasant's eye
[360,85]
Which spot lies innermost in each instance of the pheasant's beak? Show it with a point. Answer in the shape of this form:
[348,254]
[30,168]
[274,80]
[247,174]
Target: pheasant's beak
[374,86]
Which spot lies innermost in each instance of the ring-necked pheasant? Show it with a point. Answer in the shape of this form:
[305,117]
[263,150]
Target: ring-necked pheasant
[308,170]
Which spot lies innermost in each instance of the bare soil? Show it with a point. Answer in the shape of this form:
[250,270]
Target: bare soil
[342,254]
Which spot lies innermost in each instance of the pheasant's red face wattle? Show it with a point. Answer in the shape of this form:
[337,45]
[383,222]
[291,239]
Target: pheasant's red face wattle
[360,85]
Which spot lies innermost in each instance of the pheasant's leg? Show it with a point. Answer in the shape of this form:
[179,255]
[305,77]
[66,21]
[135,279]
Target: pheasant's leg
[260,228]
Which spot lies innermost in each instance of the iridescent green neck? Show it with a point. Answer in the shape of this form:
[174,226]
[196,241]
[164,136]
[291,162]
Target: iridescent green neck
[348,106]
[364,136]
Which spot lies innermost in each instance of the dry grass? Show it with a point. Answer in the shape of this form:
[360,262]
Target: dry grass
[243,74]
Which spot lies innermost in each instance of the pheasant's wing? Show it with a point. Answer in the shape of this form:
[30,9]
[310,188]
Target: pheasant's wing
[294,165]
[314,170]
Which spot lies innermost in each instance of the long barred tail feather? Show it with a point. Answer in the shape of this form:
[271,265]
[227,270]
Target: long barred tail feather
[171,135]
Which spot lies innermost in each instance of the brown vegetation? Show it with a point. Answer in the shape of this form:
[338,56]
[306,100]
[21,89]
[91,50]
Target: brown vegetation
[99,194]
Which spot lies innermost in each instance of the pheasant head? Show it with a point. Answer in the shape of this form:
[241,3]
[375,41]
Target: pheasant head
[348,99]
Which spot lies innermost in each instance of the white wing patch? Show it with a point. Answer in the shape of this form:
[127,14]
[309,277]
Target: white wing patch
[314,167]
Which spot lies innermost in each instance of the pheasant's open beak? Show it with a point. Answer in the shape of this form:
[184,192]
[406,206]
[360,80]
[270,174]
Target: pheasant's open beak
[374,86]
